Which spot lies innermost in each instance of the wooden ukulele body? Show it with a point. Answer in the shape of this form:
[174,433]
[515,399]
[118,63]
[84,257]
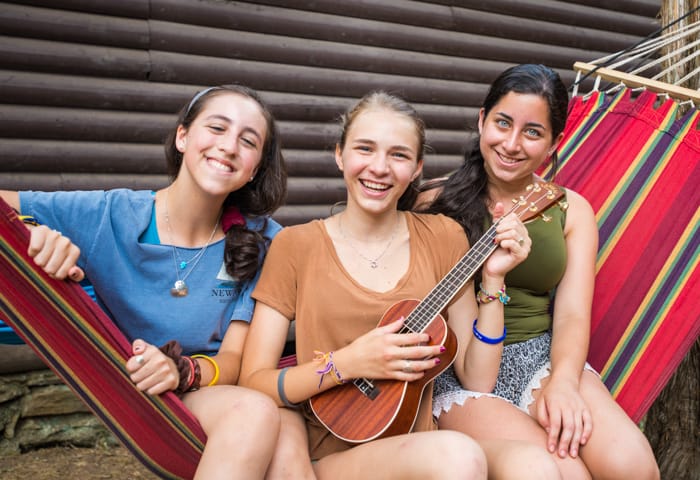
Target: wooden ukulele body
[364,410]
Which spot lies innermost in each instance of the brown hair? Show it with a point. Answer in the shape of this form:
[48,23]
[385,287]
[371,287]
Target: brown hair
[384,100]
[245,247]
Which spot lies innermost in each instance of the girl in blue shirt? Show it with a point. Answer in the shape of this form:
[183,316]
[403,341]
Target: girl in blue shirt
[180,263]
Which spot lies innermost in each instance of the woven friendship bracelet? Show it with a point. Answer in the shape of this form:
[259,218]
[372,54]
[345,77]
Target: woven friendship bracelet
[329,367]
[483,297]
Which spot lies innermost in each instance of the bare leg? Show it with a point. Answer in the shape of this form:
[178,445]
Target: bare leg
[509,459]
[436,455]
[617,447]
[489,419]
[291,460]
[242,427]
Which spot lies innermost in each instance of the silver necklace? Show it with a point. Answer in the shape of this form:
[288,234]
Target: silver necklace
[373,262]
[179,288]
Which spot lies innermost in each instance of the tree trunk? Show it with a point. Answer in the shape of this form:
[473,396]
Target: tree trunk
[673,423]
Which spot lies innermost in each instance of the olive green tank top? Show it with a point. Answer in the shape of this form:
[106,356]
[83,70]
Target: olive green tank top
[531,284]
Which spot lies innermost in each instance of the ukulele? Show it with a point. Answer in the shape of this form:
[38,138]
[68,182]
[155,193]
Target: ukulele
[366,409]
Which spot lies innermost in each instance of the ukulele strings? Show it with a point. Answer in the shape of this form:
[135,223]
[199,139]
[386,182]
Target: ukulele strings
[448,287]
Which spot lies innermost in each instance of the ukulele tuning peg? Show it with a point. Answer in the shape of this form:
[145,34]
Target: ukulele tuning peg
[546,218]
[563,205]
[532,207]
[521,201]
[535,187]
[550,194]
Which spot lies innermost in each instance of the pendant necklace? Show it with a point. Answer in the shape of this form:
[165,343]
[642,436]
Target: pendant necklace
[373,262]
[179,288]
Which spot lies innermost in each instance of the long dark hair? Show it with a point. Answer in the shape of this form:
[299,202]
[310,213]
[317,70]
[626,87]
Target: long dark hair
[245,247]
[464,195]
[381,99]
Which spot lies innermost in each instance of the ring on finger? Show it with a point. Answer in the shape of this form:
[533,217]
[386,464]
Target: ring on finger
[407,368]
[521,241]
[140,359]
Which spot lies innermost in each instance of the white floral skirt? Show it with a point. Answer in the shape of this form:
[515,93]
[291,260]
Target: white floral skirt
[523,366]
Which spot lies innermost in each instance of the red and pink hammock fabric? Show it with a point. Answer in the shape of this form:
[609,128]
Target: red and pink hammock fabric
[634,160]
[81,344]
[638,163]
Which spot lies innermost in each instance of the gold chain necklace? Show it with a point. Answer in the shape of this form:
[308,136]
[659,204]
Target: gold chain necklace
[180,288]
[373,262]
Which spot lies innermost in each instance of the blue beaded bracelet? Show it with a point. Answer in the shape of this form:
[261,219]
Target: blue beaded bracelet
[490,340]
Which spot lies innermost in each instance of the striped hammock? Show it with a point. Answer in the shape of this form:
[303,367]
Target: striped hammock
[77,340]
[639,166]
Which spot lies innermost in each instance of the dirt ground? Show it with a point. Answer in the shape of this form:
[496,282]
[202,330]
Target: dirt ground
[84,463]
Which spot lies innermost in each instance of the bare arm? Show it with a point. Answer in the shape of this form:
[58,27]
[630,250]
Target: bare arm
[478,362]
[12,198]
[560,407]
[380,353]
[51,251]
[572,310]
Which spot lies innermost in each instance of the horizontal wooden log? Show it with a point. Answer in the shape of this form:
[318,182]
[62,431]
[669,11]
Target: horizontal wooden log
[33,88]
[566,14]
[647,8]
[226,43]
[512,24]
[296,214]
[19,358]
[181,68]
[50,182]
[71,58]
[70,26]
[82,124]
[464,63]
[38,156]
[310,190]
[120,8]
[390,32]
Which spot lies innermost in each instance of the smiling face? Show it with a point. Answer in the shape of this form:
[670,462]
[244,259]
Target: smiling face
[379,159]
[516,137]
[223,145]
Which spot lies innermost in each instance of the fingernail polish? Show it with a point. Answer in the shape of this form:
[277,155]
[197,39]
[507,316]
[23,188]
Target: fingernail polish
[442,349]
[437,361]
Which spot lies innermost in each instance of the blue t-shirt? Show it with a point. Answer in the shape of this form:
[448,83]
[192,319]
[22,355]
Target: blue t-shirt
[132,279]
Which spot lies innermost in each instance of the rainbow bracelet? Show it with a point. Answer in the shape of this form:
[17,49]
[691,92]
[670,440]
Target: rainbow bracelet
[483,297]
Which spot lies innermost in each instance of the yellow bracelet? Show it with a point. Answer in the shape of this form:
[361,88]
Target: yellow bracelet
[28,220]
[217,371]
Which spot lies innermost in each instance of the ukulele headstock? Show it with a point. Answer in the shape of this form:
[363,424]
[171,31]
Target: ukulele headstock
[539,196]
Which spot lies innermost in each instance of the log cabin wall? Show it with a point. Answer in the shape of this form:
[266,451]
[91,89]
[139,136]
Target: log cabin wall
[89,89]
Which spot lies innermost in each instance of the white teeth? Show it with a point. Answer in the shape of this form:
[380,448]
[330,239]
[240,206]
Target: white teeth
[220,166]
[375,186]
[508,160]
